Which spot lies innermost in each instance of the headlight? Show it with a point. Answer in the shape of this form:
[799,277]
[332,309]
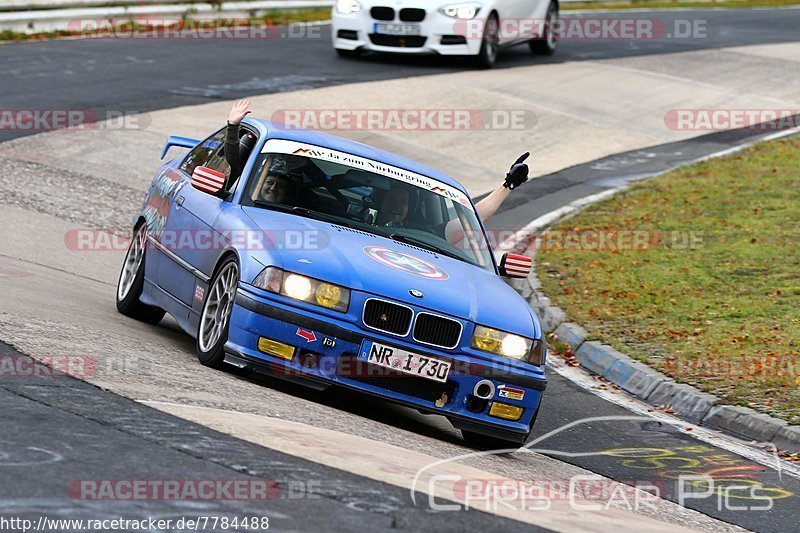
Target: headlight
[345,7]
[303,288]
[508,345]
[460,11]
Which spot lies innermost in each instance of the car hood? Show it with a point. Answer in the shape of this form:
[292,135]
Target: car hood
[347,257]
[423,4]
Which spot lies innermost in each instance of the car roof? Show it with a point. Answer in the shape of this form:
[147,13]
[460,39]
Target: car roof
[276,131]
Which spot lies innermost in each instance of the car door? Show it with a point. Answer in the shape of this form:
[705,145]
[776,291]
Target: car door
[189,240]
[523,13]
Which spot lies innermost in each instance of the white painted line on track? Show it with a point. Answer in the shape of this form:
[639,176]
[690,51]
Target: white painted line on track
[401,467]
[587,381]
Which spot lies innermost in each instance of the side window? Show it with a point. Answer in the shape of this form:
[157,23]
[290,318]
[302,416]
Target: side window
[205,153]
[217,161]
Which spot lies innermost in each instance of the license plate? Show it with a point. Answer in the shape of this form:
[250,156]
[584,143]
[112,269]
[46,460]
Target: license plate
[403,361]
[397,29]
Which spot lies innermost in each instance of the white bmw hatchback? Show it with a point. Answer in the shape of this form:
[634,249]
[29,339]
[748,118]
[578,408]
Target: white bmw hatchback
[447,27]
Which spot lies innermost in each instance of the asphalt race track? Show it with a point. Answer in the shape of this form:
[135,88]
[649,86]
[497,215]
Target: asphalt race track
[104,435]
[142,75]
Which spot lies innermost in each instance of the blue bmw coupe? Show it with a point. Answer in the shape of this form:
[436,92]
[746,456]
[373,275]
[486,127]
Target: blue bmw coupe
[332,263]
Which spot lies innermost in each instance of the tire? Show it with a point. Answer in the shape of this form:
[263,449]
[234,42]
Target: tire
[352,54]
[131,281]
[215,318]
[547,44]
[487,55]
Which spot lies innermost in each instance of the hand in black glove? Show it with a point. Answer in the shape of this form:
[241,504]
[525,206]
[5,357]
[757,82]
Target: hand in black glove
[518,174]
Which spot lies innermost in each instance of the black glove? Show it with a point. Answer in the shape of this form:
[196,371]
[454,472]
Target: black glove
[518,174]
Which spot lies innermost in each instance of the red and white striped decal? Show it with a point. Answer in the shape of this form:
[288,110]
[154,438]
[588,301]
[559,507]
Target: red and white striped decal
[207,179]
[517,265]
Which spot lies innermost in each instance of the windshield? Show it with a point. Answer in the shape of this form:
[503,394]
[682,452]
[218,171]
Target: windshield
[370,196]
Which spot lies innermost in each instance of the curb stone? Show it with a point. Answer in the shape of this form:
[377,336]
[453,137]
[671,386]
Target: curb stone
[787,438]
[745,422]
[551,316]
[689,402]
[635,377]
[597,357]
[652,386]
[572,334]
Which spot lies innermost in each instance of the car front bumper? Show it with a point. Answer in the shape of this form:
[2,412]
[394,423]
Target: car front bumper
[437,35]
[331,359]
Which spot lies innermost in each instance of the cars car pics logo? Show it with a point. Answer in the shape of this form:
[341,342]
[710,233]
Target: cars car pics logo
[405,262]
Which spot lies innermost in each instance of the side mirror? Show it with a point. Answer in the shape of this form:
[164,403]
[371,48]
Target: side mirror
[515,265]
[208,180]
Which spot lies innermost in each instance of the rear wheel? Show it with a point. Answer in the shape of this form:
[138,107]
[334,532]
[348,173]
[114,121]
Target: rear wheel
[212,333]
[547,44]
[131,281]
[487,55]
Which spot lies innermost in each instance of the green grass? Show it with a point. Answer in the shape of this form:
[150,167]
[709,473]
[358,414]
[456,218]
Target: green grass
[724,314]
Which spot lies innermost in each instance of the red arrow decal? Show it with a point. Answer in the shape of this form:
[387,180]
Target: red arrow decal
[309,336]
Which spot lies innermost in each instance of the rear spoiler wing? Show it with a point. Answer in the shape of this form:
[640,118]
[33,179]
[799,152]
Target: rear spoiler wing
[177,140]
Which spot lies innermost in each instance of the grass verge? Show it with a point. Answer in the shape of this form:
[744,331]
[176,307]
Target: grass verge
[697,273]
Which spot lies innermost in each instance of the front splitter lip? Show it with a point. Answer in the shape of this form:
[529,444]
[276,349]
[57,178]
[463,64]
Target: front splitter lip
[241,360]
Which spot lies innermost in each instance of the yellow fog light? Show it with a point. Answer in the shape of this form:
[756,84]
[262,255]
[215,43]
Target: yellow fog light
[278,349]
[487,339]
[328,295]
[508,412]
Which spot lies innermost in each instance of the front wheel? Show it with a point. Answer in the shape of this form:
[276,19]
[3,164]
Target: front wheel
[548,42]
[131,281]
[212,333]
